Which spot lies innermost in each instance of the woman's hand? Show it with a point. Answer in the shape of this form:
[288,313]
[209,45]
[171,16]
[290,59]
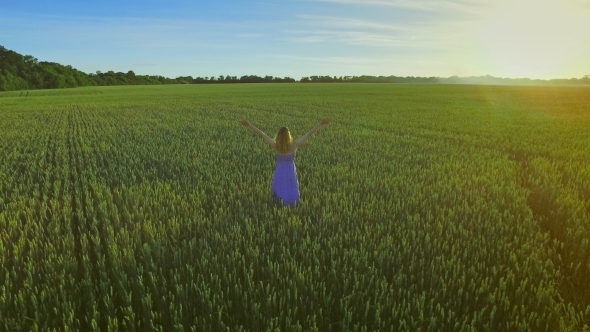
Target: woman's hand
[325,121]
[244,122]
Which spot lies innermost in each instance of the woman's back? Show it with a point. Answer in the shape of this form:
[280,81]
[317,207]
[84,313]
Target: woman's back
[285,185]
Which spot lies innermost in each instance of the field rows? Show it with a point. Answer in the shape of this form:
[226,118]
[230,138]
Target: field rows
[423,208]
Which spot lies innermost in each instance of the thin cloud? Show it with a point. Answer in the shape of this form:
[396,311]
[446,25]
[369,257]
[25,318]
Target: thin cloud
[426,6]
[348,23]
[357,38]
[326,60]
[441,34]
[250,35]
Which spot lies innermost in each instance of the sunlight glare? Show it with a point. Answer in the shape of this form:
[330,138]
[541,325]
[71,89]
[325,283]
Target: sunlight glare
[535,39]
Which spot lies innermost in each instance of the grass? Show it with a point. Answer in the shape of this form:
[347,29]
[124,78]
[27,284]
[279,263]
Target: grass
[430,207]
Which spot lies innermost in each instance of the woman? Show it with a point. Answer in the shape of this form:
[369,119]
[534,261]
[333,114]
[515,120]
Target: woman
[285,187]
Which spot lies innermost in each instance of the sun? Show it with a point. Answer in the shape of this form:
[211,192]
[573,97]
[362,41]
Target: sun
[535,39]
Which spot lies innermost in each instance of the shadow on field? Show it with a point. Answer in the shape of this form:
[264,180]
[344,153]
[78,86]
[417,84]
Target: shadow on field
[549,202]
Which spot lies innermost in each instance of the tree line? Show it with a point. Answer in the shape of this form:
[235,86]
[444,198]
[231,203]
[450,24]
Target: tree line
[24,72]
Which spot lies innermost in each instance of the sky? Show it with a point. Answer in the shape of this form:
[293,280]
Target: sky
[539,39]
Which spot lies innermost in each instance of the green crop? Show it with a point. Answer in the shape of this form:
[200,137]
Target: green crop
[423,207]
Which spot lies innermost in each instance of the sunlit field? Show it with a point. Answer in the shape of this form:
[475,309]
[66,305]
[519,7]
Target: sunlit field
[423,207]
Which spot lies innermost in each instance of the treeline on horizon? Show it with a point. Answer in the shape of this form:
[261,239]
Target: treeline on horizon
[24,72]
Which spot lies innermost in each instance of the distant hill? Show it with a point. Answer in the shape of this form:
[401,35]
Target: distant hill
[23,72]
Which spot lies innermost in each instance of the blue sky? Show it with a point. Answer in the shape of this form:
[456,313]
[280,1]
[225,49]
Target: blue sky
[296,38]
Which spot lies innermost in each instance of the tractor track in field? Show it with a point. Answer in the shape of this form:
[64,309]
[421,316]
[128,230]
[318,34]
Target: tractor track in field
[75,222]
[93,132]
[51,164]
[80,218]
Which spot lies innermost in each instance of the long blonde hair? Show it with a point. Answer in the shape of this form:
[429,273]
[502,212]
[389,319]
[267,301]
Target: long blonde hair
[283,141]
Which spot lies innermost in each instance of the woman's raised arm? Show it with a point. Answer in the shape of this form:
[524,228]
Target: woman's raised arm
[267,139]
[298,142]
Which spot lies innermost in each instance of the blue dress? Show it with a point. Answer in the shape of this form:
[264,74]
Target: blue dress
[285,186]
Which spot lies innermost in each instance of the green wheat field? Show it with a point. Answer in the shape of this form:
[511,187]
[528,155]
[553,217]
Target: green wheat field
[423,208]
